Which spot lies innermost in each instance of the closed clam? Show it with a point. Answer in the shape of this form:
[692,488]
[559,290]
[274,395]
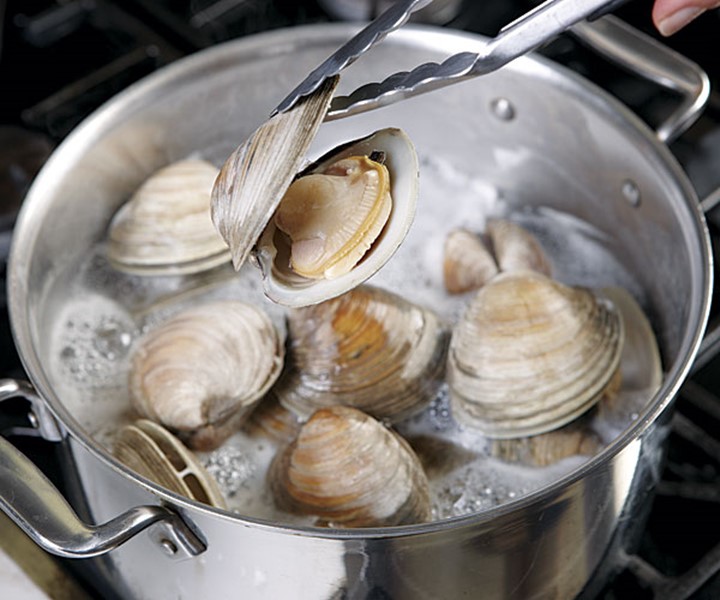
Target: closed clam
[348,470]
[332,227]
[531,354]
[153,452]
[203,370]
[165,227]
[369,349]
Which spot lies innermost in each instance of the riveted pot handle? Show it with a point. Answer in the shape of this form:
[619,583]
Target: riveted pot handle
[39,509]
[642,54]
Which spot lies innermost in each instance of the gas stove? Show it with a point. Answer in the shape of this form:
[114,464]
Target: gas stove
[61,59]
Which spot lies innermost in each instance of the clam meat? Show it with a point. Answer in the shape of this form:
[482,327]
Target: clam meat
[369,349]
[202,371]
[323,231]
[165,227]
[531,354]
[154,453]
[348,470]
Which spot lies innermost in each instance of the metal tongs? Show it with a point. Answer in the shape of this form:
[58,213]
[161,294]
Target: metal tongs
[519,37]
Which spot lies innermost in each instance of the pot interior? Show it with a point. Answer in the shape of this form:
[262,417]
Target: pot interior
[530,141]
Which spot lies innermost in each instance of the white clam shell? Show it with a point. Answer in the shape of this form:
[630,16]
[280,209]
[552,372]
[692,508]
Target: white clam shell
[285,287]
[471,260]
[369,349]
[153,452]
[201,372]
[255,177]
[530,355]
[165,227]
[349,470]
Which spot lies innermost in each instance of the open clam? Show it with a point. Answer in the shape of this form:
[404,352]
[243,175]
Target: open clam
[531,354]
[153,452]
[203,370]
[369,349]
[335,225]
[165,227]
[349,470]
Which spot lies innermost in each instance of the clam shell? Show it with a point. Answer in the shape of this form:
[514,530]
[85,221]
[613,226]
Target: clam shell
[273,420]
[368,349]
[516,249]
[574,439]
[349,470]
[284,286]
[530,355]
[165,227]
[255,177]
[154,453]
[200,372]
[467,263]
[471,260]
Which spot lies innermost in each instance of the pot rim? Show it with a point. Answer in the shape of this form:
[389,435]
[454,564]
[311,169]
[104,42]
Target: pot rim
[278,42]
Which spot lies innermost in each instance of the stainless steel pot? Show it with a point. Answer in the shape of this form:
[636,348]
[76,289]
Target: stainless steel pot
[542,135]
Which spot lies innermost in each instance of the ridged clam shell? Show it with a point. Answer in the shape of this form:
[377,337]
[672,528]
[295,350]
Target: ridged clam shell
[271,419]
[284,286]
[255,177]
[467,263]
[516,249]
[165,227]
[530,355]
[575,439]
[471,260]
[153,452]
[369,349]
[200,372]
[349,470]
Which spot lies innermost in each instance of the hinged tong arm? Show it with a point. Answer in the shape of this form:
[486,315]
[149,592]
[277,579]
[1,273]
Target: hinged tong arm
[516,39]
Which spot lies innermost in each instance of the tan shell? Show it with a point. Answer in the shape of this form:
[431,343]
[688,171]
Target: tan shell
[349,470]
[154,453]
[469,262]
[272,420]
[255,177]
[200,372]
[574,439]
[530,355]
[516,249]
[361,242]
[165,228]
[369,349]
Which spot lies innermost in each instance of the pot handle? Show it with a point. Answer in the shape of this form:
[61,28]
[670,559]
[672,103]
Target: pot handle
[39,509]
[626,46]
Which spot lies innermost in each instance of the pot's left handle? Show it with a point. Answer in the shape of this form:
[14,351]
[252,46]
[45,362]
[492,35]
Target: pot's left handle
[39,509]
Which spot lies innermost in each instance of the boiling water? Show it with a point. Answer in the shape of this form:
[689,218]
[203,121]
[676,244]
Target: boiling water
[107,312]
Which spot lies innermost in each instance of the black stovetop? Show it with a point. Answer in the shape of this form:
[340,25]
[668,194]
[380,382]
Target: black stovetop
[61,59]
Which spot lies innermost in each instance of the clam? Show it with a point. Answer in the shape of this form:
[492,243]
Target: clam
[332,227]
[574,439]
[348,470]
[369,349]
[530,355]
[272,420]
[467,263]
[471,260]
[202,371]
[153,452]
[165,227]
